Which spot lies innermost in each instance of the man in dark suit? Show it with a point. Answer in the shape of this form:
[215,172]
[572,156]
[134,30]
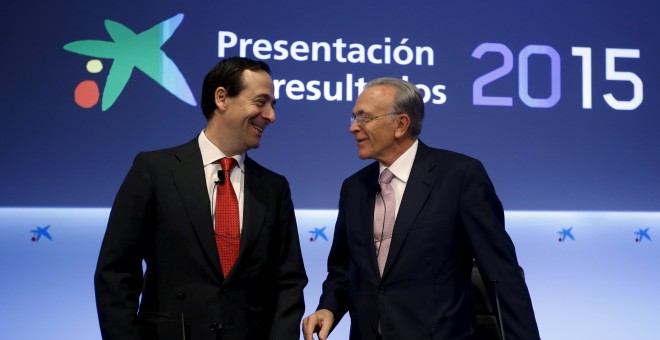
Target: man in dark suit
[164,215]
[408,228]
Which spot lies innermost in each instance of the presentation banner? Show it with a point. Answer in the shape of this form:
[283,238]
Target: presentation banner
[555,97]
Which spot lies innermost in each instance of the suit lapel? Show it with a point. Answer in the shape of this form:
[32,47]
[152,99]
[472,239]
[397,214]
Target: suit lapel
[191,185]
[253,204]
[417,191]
[366,202]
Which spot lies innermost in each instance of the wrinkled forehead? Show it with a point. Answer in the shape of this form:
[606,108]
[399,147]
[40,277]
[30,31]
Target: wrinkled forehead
[375,100]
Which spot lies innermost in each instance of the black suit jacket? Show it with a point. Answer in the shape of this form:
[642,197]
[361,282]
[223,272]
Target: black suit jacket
[162,216]
[449,215]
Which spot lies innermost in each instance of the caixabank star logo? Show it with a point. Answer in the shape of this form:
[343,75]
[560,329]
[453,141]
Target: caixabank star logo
[316,233]
[40,231]
[129,51]
[565,234]
[642,234]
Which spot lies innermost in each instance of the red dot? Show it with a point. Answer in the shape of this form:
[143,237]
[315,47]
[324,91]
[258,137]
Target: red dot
[560,239]
[86,94]
[34,238]
[311,239]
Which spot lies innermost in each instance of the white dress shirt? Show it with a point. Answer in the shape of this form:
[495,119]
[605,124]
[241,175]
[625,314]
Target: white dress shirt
[401,170]
[211,156]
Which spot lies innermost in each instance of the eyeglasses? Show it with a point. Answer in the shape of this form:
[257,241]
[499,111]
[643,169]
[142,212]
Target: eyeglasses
[362,119]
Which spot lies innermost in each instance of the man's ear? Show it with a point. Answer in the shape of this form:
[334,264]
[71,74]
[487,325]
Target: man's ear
[221,98]
[402,125]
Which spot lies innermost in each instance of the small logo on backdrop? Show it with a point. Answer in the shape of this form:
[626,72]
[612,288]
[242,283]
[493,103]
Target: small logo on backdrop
[642,234]
[128,51]
[565,233]
[40,231]
[316,233]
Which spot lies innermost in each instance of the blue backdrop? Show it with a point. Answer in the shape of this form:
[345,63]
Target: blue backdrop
[561,156]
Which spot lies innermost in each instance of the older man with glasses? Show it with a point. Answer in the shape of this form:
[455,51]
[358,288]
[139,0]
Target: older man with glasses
[408,229]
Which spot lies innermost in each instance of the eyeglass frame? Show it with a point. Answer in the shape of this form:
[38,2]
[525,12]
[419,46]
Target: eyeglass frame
[364,118]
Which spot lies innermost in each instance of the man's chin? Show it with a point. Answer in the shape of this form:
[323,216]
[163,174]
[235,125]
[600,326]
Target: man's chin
[255,143]
[363,155]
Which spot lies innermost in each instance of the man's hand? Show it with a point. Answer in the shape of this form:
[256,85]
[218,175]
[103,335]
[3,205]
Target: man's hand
[320,322]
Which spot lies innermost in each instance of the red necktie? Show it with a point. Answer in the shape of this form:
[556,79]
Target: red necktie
[227,223]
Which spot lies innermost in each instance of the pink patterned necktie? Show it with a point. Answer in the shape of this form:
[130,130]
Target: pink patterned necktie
[227,223]
[384,218]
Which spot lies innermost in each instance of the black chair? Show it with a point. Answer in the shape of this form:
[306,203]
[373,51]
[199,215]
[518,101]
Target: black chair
[485,307]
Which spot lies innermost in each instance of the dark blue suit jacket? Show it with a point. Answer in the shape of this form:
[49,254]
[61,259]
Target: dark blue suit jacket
[162,216]
[449,215]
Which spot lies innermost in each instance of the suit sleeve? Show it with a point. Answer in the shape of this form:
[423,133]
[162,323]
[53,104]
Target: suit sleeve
[118,279]
[483,217]
[335,287]
[291,276]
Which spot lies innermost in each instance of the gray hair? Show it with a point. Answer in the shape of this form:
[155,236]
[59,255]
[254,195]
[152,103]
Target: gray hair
[408,100]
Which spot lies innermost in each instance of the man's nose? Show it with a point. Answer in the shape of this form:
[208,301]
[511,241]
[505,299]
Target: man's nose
[354,127]
[269,114]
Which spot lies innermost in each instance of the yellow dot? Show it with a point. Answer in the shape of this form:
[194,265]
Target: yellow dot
[94,66]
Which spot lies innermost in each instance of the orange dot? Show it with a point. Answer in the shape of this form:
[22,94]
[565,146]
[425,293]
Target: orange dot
[86,94]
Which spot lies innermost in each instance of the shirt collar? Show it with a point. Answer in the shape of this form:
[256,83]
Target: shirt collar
[403,165]
[211,153]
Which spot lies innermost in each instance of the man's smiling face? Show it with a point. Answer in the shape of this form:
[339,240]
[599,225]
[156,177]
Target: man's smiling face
[248,113]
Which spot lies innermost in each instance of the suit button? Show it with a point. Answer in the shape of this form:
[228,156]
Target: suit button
[381,290]
[374,328]
[224,291]
[214,327]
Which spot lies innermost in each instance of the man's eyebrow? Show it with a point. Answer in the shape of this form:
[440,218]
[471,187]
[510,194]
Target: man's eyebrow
[270,98]
[265,97]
